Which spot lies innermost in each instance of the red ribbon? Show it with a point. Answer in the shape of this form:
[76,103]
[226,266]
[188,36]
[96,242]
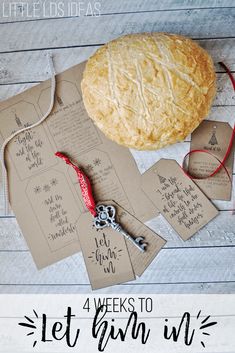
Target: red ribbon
[230,145]
[84,182]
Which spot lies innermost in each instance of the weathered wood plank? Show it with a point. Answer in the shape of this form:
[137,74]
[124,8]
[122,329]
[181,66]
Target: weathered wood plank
[11,237]
[225,93]
[7,91]
[93,30]
[219,232]
[25,12]
[32,66]
[132,288]
[170,266]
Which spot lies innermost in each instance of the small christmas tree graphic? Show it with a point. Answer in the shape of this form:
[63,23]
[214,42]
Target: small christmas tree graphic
[161,179]
[18,121]
[213,140]
[59,100]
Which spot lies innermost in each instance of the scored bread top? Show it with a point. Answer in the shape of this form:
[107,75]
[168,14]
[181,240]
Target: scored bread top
[148,90]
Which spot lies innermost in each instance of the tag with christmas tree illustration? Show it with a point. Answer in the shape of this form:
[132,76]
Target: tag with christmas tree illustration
[214,137]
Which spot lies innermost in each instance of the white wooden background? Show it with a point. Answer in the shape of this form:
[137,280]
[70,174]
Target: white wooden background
[204,264]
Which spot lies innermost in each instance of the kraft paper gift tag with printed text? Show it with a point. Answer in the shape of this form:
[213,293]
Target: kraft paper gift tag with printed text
[44,192]
[110,258]
[140,260]
[178,198]
[214,137]
[105,254]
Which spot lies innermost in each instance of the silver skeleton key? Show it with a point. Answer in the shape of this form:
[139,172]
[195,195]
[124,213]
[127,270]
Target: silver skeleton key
[106,218]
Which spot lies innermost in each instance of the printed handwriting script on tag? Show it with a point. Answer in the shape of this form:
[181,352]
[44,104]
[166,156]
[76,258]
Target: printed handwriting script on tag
[177,197]
[111,259]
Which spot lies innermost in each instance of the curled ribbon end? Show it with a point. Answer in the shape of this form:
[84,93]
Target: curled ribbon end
[59,154]
[63,156]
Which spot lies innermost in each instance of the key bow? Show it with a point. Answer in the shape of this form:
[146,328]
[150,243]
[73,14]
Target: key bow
[105,216]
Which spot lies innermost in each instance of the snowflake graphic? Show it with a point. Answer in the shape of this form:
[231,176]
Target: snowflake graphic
[97,162]
[37,189]
[89,168]
[46,188]
[54,182]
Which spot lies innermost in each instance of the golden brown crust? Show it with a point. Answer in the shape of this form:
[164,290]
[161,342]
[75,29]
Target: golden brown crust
[148,90]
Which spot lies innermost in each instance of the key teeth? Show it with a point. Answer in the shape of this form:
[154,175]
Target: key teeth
[142,246]
[139,239]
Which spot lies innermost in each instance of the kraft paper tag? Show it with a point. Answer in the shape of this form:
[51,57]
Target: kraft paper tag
[140,260]
[110,258]
[178,198]
[44,192]
[105,254]
[214,137]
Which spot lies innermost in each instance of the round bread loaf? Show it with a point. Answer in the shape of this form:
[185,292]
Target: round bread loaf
[148,90]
